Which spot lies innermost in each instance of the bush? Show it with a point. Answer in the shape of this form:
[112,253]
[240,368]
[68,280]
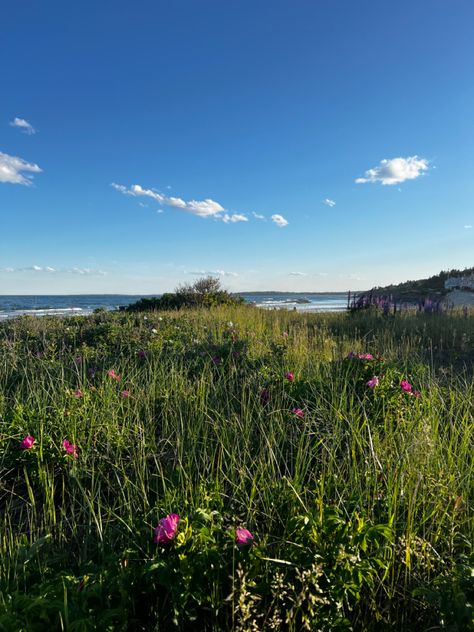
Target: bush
[206,292]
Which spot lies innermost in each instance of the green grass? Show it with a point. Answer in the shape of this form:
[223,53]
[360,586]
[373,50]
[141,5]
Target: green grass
[361,511]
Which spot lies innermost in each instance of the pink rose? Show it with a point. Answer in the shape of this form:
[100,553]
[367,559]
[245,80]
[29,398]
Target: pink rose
[166,529]
[27,442]
[70,448]
[373,382]
[243,536]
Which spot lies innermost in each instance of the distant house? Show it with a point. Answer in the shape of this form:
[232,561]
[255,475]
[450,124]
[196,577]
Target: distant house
[460,283]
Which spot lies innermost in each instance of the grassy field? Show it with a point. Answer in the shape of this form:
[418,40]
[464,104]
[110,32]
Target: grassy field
[356,498]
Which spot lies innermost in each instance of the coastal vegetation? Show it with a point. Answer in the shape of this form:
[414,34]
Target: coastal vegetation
[432,287]
[236,469]
[205,292]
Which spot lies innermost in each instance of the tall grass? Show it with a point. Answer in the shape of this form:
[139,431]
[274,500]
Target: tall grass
[361,510]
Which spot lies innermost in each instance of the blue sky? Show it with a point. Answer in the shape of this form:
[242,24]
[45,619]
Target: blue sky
[311,145]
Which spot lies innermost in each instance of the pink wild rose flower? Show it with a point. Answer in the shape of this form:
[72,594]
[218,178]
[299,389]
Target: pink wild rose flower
[125,394]
[70,448]
[166,529]
[405,386]
[111,373]
[373,382]
[27,442]
[290,376]
[298,412]
[243,536]
[78,393]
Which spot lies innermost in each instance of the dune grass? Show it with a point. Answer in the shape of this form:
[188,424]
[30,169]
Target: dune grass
[359,504]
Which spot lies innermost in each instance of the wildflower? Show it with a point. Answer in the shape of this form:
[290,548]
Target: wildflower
[27,442]
[416,394]
[285,334]
[405,386]
[351,355]
[70,448]
[141,354]
[154,331]
[166,529]
[265,396]
[78,393]
[230,324]
[290,376]
[216,360]
[373,382]
[243,536]
[298,412]
[365,356]
[236,354]
[125,393]
[111,373]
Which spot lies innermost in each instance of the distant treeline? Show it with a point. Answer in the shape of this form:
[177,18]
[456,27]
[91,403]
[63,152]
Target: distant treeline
[414,290]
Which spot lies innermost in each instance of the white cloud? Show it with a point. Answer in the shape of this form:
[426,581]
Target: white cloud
[51,270]
[25,127]
[279,220]
[222,273]
[201,208]
[298,274]
[329,202]
[85,271]
[258,216]
[235,217]
[395,170]
[11,169]
[468,226]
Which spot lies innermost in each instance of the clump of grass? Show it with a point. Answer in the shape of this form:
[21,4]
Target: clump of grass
[357,492]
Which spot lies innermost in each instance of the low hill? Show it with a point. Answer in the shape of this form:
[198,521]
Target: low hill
[430,287]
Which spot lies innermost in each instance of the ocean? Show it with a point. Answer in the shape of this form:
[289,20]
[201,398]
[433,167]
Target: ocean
[82,304]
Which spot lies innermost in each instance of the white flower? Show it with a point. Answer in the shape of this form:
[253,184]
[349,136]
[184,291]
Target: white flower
[154,331]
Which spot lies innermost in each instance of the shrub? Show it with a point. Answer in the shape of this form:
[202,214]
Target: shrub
[205,292]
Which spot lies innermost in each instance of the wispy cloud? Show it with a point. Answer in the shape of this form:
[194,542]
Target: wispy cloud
[11,168]
[396,170]
[467,226]
[329,202]
[279,220]
[85,271]
[298,274]
[235,217]
[51,270]
[222,273]
[202,208]
[26,128]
